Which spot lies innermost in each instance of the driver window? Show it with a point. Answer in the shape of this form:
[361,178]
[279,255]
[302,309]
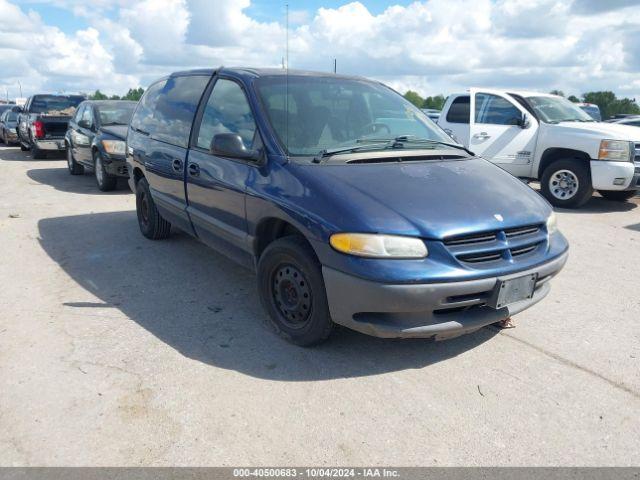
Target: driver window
[495,110]
[87,117]
[227,111]
[79,113]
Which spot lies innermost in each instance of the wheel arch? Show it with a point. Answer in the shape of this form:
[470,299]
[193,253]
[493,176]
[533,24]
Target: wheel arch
[550,155]
[270,229]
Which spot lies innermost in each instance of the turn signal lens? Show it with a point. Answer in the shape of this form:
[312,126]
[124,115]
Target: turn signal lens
[615,150]
[378,246]
[113,147]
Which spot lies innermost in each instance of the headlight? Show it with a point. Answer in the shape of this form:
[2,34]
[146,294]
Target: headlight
[113,147]
[552,223]
[615,150]
[378,246]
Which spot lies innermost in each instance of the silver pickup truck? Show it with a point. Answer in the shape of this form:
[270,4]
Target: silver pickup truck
[43,122]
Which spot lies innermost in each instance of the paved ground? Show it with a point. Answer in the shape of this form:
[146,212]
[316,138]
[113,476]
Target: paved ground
[115,350]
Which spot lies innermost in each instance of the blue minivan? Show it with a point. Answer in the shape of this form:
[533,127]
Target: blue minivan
[348,202]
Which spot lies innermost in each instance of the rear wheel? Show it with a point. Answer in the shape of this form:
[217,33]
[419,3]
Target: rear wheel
[618,196]
[292,291]
[566,183]
[151,223]
[105,181]
[74,167]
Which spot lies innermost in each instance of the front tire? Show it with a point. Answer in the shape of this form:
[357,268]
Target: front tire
[151,223]
[292,291]
[618,196]
[566,183]
[74,167]
[105,182]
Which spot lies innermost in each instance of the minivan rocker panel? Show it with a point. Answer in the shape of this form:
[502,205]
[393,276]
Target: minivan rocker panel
[486,244]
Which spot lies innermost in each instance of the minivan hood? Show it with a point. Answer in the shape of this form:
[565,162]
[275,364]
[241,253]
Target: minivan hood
[607,131]
[431,199]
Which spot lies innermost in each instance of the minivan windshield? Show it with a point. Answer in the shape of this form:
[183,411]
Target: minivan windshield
[55,104]
[116,113]
[557,109]
[332,113]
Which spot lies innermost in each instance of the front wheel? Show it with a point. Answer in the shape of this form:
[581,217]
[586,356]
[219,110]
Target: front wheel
[292,291]
[105,181]
[151,223]
[619,195]
[566,183]
[74,167]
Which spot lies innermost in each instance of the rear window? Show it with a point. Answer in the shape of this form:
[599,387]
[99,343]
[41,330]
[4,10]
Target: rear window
[166,111]
[55,104]
[460,110]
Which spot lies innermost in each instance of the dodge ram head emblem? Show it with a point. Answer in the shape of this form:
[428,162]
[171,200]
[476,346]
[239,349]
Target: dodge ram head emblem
[498,217]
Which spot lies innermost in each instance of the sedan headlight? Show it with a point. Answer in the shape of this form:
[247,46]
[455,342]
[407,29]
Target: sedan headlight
[615,150]
[113,147]
[552,224]
[378,246]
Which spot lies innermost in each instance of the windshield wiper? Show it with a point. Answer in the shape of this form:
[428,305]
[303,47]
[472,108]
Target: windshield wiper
[113,123]
[354,148]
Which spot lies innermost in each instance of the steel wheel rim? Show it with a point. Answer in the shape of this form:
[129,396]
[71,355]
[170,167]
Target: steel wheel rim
[98,169]
[564,184]
[291,295]
[144,209]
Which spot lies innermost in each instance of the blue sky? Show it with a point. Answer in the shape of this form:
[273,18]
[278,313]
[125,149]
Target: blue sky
[432,46]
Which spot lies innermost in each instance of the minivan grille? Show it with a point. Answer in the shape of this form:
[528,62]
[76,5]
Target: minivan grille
[498,245]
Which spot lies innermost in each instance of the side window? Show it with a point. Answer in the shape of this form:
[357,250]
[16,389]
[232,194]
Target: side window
[79,113]
[176,107]
[227,111]
[495,110]
[87,116]
[143,117]
[460,110]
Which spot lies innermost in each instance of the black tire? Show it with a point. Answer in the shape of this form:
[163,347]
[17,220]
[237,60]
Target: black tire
[2,139]
[619,195]
[151,223]
[74,167]
[38,154]
[579,177]
[23,148]
[105,182]
[292,291]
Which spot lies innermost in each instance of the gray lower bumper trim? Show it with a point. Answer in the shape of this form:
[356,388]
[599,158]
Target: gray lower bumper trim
[440,310]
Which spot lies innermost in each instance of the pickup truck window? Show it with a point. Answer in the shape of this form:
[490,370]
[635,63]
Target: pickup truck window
[556,109]
[227,111]
[495,110]
[460,110]
[55,103]
[312,114]
[167,112]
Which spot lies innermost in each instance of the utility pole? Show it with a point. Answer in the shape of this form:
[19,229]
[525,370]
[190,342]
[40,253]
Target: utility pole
[335,65]
[20,85]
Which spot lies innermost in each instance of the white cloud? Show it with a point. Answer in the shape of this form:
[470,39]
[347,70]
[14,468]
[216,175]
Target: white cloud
[434,46]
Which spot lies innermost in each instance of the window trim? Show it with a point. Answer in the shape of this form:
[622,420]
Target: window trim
[195,127]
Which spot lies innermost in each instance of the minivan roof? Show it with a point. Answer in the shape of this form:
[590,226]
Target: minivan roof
[261,72]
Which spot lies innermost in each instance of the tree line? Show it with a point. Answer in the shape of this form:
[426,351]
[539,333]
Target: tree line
[607,101]
[133,94]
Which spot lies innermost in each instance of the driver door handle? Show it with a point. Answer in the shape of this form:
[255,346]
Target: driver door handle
[177,165]
[194,169]
[482,136]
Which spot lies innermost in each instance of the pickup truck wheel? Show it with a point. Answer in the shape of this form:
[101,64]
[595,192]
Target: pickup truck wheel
[292,291]
[151,223]
[566,183]
[618,196]
[74,167]
[105,181]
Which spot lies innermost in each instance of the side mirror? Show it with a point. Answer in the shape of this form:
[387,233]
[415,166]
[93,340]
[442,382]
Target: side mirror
[84,124]
[17,109]
[231,145]
[524,121]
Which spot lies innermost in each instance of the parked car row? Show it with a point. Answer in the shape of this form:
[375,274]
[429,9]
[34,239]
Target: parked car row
[350,205]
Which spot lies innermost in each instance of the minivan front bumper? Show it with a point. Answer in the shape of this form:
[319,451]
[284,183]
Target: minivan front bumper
[438,310]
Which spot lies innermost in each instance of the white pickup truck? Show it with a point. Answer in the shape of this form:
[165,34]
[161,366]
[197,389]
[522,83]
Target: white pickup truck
[547,138]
